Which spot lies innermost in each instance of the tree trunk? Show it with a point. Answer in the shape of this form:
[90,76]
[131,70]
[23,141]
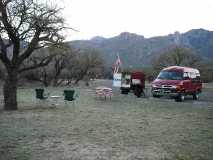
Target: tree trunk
[76,81]
[55,81]
[10,90]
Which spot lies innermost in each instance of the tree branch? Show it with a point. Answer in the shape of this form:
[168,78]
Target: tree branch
[3,53]
[31,47]
[4,18]
[44,62]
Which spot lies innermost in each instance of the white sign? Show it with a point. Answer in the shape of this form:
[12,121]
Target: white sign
[117,80]
[126,80]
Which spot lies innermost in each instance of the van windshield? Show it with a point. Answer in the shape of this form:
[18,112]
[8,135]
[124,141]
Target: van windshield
[170,75]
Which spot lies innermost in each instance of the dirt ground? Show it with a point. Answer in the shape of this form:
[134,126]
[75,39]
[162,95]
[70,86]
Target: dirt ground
[121,128]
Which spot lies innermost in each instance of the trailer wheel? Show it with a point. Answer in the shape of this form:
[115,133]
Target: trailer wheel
[138,91]
[124,91]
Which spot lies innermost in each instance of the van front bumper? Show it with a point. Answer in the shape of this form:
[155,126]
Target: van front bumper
[165,92]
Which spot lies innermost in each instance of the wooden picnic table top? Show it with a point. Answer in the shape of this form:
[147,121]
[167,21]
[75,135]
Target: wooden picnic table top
[103,88]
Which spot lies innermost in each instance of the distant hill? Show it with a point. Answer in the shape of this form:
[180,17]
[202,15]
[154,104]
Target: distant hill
[137,51]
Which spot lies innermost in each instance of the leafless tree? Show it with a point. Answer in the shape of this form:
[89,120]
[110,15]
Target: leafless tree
[86,64]
[52,73]
[177,55]
[25,26]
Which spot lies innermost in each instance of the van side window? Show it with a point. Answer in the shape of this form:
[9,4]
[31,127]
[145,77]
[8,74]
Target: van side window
[186,75]
[198,78]
[192,75]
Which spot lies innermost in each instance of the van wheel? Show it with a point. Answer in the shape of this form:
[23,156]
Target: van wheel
[195,96]
[180,98]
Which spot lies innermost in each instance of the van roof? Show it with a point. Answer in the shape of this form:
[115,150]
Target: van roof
[182,69]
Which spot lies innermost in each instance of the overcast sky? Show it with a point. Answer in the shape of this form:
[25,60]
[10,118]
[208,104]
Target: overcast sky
[150,18]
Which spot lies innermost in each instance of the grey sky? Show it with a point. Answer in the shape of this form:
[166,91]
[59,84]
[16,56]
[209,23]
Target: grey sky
[146,17]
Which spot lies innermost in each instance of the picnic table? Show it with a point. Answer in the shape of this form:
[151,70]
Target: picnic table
[55,99]
[103,92]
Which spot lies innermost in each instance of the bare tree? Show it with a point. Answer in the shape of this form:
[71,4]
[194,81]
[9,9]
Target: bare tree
[177,55]
[42,74]
[206,69]
[86,64]
[25,25]
[52,73]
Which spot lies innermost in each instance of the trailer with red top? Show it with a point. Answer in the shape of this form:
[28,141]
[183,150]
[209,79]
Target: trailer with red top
[133,81]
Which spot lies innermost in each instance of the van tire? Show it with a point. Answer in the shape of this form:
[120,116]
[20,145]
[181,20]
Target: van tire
[180,98]
[195,96]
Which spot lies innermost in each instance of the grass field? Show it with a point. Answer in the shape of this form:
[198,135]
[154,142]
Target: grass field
[123,128]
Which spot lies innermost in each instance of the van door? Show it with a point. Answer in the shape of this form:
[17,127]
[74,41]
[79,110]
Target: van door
[195,82]
[187,82]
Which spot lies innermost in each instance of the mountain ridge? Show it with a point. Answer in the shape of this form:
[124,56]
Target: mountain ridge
[137,51]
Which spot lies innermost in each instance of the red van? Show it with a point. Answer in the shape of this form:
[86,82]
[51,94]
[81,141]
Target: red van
[177,82]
